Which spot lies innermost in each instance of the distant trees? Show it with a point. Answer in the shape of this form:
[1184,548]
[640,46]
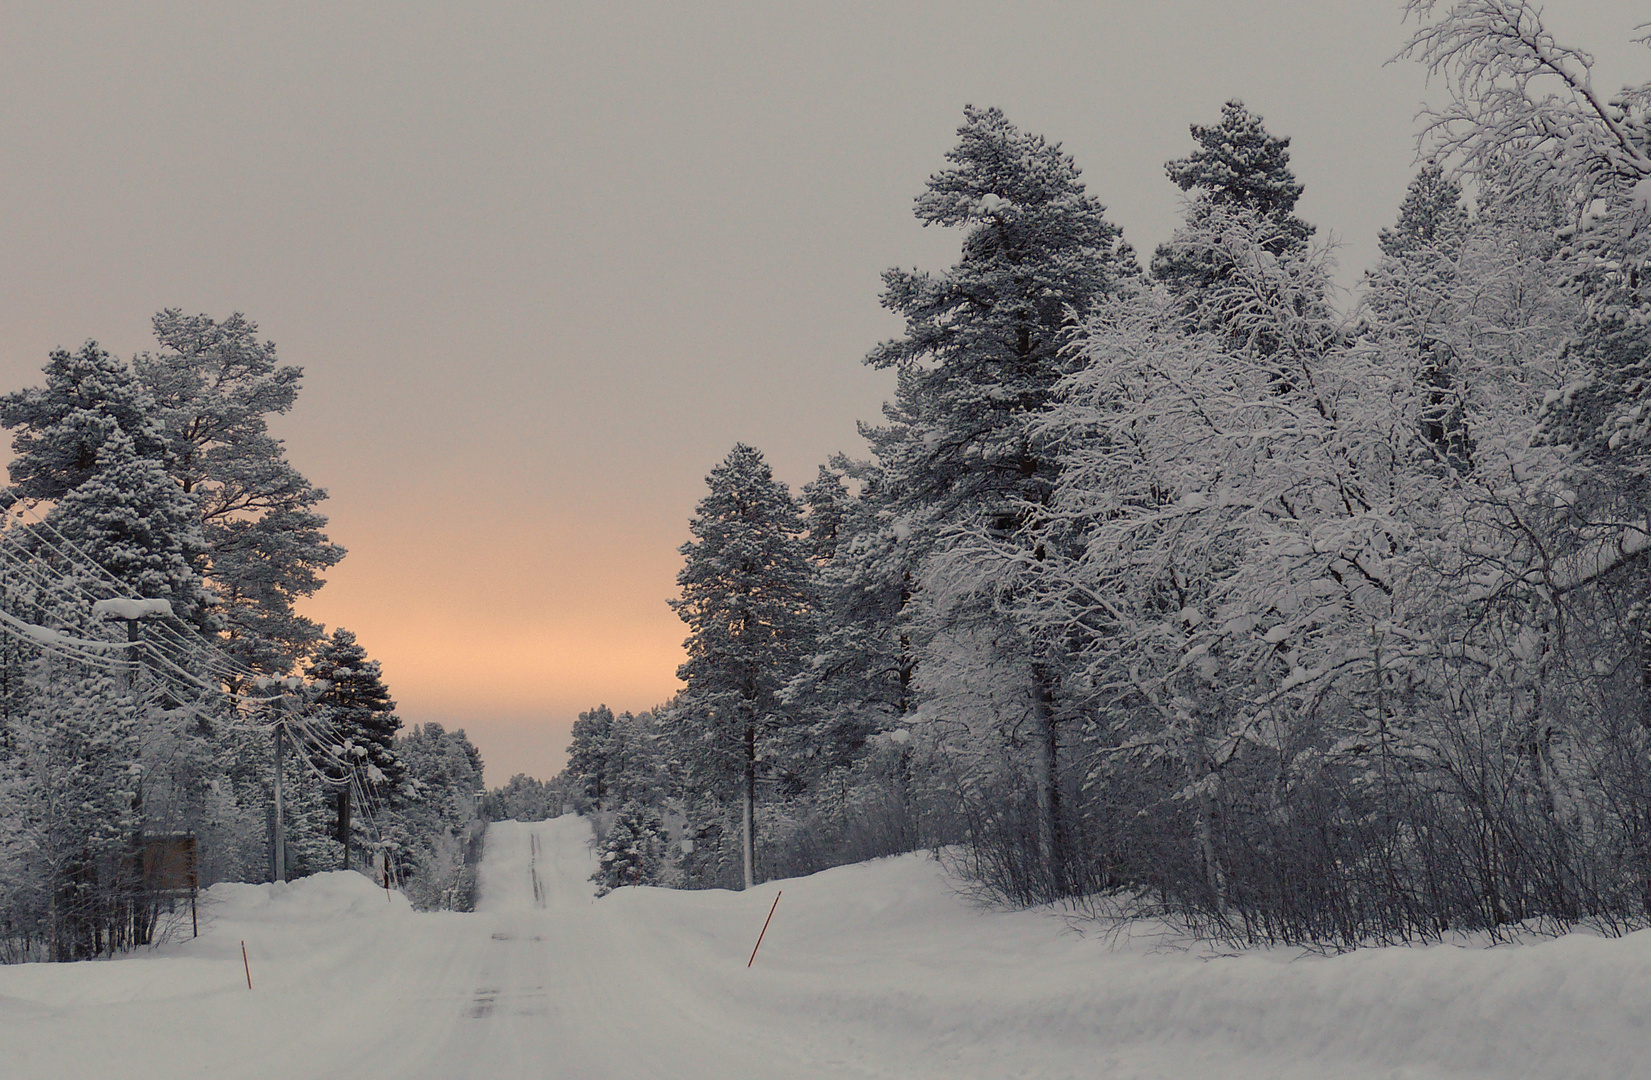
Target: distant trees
[613,759]
[524,798]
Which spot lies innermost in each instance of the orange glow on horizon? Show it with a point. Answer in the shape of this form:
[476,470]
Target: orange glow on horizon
[478,626]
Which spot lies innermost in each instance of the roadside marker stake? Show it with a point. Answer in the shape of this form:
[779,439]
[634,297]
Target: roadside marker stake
[249,966]
[765,923]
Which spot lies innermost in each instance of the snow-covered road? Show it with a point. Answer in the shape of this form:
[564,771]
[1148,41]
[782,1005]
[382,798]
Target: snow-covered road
[545,983]
[876,970]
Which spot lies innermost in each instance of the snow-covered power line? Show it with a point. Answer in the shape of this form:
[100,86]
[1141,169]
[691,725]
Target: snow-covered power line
[211,656]
[52,564]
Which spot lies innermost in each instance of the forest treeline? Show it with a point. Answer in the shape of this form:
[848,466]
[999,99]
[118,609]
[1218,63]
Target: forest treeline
[154,542]
[1187,589]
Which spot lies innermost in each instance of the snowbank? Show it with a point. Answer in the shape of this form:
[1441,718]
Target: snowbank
[886,951]
[872,970]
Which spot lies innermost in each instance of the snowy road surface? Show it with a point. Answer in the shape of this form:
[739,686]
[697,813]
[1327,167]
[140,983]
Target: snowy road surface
[868,971]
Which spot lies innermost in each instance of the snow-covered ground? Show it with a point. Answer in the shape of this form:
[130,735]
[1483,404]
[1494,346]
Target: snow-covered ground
[876,970]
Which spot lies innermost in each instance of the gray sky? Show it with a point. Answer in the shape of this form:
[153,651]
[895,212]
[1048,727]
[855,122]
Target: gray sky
[543,264]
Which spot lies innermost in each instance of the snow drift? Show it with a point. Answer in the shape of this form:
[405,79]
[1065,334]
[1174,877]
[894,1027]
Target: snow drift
[878,970]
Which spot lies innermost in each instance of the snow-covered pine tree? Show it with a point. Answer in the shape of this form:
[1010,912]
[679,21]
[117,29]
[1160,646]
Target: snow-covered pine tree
[214,385]
[745,598]
[1414,289]
[60,426]
[73,797]
[355,704]
[590,756]
[1431,217]
[134,521]
[826,501]
[1238,168]
[633,852]
[983,341]
[983,347]
[858,681]
[1239,163]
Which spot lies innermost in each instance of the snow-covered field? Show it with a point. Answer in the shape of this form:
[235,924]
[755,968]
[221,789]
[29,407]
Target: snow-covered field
[876,970]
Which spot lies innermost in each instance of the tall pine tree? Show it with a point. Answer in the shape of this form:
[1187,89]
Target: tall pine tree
[984,345]
[745,591]
[355,702]
[214,385]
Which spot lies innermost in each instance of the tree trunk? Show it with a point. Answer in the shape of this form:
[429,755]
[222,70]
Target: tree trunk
[280,807]
[344,824]
[1046,777]
[1208,782]
[1214,876]
[749,840]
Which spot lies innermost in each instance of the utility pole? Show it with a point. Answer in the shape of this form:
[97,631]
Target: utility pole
[283,703]
[129,674]
[130,682]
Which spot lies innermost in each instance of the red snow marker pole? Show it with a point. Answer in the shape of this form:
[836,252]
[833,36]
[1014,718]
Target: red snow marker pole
[249,966]
[765,923]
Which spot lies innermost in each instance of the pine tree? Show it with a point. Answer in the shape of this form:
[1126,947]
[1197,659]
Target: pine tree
[88,396]
[1238,163]
[213,387]
[1431,217]
[982,350]
[131,519]
[983,341]
[1414,289]
[1240,170]
[633,852]
[858,681]
[590,755]
[745,588]
[826,502]
[355,703]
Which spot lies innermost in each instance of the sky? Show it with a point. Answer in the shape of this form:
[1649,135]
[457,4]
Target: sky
[543,264]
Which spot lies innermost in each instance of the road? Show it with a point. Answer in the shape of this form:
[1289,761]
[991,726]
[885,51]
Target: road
[544,982]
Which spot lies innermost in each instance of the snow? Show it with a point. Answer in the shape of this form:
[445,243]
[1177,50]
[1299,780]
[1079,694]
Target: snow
[1641,195]
[121,608]
[875,970]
